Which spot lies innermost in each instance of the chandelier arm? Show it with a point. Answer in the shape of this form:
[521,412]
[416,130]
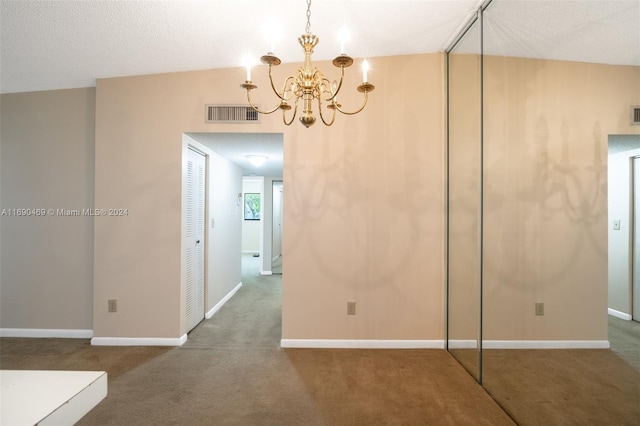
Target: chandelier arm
[273,86]
[326,88]
[364,104]
[295,112]
[257,109]
[286,83]
[333,116]
[334,94]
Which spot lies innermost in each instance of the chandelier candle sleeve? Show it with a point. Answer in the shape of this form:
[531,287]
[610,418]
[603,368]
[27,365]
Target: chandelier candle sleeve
[344,35]
[365,70]
[309,84]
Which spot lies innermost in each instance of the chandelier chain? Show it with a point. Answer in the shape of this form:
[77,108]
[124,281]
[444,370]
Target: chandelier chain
[308,27]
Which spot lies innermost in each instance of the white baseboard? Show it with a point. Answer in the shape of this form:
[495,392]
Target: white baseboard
[224,300]
[158,341]
[138,341]
[530,344]
[266,273]
[362,344]
[545,344]
[46,333]
[619,314]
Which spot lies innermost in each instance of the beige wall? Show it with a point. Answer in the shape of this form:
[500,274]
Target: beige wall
[139,127]
[364,202]
[47,143]
[546,128]
[364,213]
[375,177]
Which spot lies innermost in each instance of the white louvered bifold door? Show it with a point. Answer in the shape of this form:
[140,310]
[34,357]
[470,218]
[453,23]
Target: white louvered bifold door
[195,222]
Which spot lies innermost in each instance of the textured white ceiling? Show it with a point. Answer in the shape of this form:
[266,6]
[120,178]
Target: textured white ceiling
[65,44]
[585,31]
[236,146]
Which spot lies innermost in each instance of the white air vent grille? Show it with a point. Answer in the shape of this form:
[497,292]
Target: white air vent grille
[635,114]
[231,114]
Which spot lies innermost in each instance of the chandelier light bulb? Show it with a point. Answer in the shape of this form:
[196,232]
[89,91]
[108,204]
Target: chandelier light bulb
[248,64]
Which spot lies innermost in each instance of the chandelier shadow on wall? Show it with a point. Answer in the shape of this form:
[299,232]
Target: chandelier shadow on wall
[309,84]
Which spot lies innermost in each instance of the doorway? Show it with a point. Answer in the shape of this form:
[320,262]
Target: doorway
[229,164]
[624,226]
[635,267]
[276,228]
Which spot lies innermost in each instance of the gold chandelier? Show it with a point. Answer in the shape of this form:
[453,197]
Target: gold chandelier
[309,84]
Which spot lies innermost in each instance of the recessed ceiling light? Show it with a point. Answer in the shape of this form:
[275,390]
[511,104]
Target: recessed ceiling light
[257,160]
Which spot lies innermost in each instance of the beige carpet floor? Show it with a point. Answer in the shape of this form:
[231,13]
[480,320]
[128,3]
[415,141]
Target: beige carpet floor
[566,387]
[232,371]
[563,387]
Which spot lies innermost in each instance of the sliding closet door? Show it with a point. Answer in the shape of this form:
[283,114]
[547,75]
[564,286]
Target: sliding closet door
[465,202]
[546,118]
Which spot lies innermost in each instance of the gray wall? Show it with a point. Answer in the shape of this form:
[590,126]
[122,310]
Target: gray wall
[47,144]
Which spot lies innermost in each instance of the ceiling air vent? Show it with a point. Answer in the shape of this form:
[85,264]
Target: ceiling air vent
[231,114]
[635,115]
